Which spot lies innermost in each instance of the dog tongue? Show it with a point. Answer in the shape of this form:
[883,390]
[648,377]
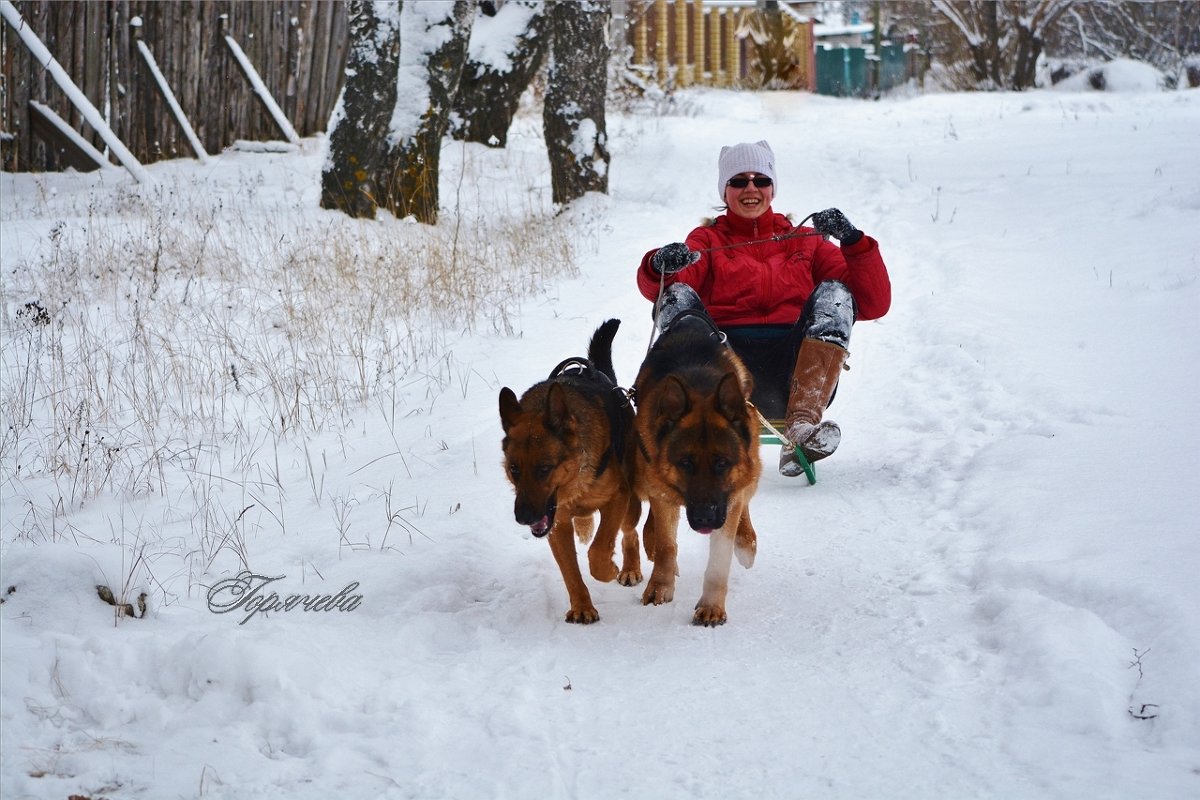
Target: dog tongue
[705,531]
[540,527]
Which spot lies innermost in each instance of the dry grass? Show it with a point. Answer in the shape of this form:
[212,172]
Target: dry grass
[187,334]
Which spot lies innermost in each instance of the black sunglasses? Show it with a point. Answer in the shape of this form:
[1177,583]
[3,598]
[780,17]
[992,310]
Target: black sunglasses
[760,182]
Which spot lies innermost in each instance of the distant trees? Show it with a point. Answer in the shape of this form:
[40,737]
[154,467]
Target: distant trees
[412,77]
[1004,38]
[986,44]
[1165,34]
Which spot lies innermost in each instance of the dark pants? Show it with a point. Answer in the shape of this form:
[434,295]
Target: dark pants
[769,351]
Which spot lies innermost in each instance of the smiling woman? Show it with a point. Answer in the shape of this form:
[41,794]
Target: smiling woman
[783,296]
[749,195]
[746,179]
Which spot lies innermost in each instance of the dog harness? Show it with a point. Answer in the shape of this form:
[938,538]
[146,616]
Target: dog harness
[615,402]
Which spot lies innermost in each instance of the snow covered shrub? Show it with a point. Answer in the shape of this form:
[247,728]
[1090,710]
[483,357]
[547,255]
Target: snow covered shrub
[1120,75]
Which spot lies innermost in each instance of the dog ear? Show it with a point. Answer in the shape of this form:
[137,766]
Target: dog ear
[558,410]
[673,401]
[730,402]
[510,408]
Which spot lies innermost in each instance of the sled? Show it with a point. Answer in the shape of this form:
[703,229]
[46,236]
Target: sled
[768,433]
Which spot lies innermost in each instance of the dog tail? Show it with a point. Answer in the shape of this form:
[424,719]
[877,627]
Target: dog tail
[600,348]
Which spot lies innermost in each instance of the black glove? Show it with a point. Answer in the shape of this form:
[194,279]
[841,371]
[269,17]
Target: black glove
[832,222]
[673,257]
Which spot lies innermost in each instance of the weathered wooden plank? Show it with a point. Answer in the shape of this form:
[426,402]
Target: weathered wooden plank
[304,63]
[293,34]
[336,64]
[321,39]
[94,66]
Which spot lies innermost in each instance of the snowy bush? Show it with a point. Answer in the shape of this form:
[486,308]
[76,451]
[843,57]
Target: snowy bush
[1120,75]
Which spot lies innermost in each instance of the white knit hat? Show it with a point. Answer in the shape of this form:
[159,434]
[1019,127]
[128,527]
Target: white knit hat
[745,157]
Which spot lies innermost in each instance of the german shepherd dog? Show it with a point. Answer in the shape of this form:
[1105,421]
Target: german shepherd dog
[697,446]
[567,445]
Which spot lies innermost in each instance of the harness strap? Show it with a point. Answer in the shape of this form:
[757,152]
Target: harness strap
[604,459]
[614,402]
[571,365]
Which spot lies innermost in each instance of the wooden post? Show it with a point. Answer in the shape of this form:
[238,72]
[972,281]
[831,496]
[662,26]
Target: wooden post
[662,55]
[683,70]
[737,58]
[698,40]
[641,40]
[733,51]
[716,18]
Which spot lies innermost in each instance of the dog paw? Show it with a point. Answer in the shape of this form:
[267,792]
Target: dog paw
[658,593]
[709,616]
[602,570]
[629,577]
[583,616]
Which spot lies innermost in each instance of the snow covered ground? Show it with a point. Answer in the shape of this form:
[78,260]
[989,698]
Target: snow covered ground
[990,592]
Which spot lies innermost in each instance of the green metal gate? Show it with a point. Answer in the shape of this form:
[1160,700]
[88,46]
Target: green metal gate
[842,71]
[848,72]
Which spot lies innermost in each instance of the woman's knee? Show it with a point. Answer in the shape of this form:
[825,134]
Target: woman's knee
[676,298]
[829,314]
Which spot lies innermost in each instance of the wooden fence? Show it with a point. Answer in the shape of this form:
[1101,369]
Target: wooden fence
[298,48]
[697,42]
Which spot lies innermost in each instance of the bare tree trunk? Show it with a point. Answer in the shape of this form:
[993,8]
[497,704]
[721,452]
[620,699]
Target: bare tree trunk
[1003,37]
[489,92]
[1029,48]
[359,126]
[1032,19]
[573,114]
[985,52]
[409,179]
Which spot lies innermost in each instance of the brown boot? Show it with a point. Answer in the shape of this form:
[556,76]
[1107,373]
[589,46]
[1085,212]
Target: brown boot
[818,367]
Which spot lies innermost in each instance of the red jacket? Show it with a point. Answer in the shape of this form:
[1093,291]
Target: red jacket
[767,283]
